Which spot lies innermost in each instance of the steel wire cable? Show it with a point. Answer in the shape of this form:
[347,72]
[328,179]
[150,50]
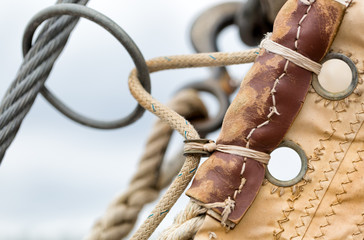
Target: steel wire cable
[33,72]
[39,59]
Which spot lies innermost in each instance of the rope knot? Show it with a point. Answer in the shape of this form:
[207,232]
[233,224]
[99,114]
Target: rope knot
[229,207]
[205,147]
[210,147]
[229,203]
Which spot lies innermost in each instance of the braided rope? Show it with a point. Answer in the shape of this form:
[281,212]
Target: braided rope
[32,74]
[177,122]
[186,224]
[121,215]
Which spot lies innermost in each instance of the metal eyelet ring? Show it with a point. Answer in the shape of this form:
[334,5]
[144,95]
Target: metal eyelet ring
[300,175]
[77,10]
[342,94]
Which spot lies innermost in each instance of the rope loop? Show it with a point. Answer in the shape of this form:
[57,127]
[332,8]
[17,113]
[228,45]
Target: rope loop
[177,122]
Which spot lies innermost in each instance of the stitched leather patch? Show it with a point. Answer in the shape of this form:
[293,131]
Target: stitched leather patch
[272,84]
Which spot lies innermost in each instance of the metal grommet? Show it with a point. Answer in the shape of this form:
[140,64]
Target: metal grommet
[202,153]
[341,94]
[300,175]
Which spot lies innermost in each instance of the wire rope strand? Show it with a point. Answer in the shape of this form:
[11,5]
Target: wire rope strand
[40,57]
[54,35]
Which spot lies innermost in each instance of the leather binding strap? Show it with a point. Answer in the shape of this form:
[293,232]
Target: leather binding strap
[267,103]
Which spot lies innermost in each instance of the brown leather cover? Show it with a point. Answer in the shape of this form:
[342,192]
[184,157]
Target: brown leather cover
[219,177]
[328,204]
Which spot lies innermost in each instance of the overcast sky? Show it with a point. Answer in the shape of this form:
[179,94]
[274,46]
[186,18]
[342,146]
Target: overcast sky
[58,176]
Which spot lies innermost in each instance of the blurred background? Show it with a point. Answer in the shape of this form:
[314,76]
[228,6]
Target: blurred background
[58,176]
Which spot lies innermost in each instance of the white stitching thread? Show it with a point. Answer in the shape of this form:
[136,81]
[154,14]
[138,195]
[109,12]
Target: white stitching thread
[308,2]
[273,109]
[301,21]
[212,235]
[229,204]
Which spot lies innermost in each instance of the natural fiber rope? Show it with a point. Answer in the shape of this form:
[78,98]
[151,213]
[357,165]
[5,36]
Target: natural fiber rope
[291,55]
[121,215]
[230,149]
[170,169]
[186,224]
[177,122]
[228,205]
[32,74]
